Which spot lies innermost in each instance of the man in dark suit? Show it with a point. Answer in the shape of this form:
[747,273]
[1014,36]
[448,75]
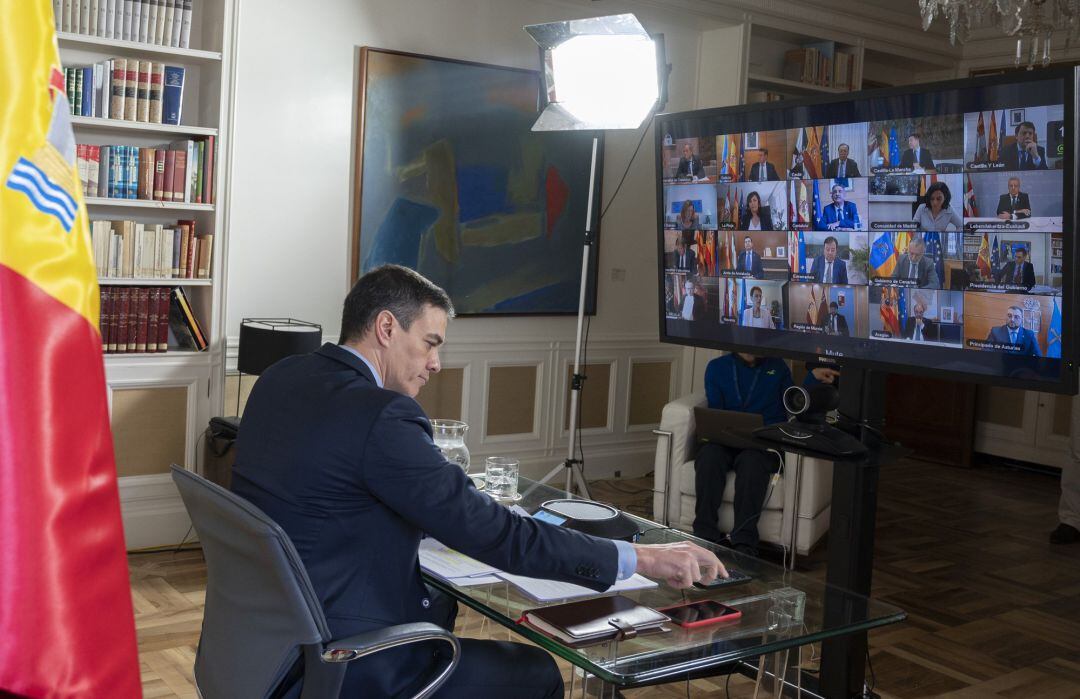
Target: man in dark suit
[1013,333]
[334,448]
[689,166]
[918,328]
[827,267]
[836,324]
[916,154]
[1015,204]
[840,215]
[1027,154]
[842,166]
[763,170]
[749,261]
[1018,271]
[914,264]
[683,258]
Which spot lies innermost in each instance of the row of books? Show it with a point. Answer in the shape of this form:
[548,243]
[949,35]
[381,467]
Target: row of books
[818,66]
[181,171]
[144,319]
[763,96]
[127,89]
[160,22]
[130,250]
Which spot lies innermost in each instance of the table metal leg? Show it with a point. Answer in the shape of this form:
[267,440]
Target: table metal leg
[794,541]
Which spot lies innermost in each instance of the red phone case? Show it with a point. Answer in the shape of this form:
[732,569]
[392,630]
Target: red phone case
[724,618]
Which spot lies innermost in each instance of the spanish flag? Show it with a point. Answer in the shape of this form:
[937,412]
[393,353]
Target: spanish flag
[66,623]
[983,261]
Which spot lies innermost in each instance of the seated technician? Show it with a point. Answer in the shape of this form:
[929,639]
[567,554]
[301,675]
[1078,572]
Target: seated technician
[334,448]
[747,384]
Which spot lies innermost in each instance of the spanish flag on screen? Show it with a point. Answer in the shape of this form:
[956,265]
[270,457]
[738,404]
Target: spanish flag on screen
[66,623]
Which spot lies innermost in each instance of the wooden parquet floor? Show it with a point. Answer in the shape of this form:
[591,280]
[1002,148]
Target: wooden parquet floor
[993,609]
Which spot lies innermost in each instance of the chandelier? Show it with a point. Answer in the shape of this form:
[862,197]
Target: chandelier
[1030,21]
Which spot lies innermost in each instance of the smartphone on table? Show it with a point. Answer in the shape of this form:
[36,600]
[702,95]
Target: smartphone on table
[704,612]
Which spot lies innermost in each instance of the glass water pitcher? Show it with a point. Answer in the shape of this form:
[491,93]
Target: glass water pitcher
[449,436]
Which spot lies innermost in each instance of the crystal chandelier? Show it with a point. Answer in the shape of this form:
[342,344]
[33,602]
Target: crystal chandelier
[1030,21]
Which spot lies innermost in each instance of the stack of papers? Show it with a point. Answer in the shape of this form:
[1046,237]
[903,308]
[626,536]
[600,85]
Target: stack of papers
[454,567]
[550,590]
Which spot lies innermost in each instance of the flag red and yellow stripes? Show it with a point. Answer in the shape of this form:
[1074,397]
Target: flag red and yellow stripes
[66,622]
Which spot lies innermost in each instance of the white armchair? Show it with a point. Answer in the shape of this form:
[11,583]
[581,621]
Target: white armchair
[796,512]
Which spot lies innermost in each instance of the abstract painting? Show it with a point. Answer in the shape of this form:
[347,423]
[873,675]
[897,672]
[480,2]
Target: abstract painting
[451,182]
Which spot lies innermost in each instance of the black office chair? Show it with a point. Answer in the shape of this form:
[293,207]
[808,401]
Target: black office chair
[264,633]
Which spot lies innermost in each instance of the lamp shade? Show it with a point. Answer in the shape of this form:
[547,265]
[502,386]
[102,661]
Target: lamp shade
[264,341]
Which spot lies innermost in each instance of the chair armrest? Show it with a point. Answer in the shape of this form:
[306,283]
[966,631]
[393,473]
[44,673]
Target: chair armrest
[354,647]
[674,446]
[678,418]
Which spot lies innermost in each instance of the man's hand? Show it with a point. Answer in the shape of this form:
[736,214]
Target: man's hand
[1004,215]
[681,564]
[825,374]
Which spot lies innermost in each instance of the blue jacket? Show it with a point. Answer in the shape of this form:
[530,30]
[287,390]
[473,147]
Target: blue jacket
[350,472]
[1026,343]
[839,271]
[847,218]
[732,384]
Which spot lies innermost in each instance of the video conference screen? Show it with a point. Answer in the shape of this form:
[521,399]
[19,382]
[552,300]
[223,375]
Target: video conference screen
[929,229]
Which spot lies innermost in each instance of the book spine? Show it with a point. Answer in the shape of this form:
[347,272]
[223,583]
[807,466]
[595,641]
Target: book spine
[126,343]
[172,95]
[94,10]
[84,17]
[131,90]
[143,92]
[106,319]
[133,172]
[119,76]
[141,318]
[65,19]
[129,11]
[185,26]
[78,92]
[94,168]
[170,171]
[200,158]
[163,319]
[109,7]
[159,174]
[179,174]
[167,31]
[136,19]
[157,74]
[152,21]
[191,252]
[206,247]
[128,246]
[159,32]
[185,236]
[208,174]
[146,173]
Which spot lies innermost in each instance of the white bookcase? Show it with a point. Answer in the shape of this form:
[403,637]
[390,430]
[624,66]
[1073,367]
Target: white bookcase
[161,403]
[769,43]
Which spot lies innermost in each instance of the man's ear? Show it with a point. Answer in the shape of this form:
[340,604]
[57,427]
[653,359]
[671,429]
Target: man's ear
[384,327]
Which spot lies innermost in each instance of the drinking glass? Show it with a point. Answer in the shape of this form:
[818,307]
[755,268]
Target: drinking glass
[501,477]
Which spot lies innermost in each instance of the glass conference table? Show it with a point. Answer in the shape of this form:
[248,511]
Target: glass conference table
[781,610]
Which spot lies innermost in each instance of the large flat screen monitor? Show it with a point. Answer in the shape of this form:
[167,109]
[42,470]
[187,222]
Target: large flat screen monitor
[926,229]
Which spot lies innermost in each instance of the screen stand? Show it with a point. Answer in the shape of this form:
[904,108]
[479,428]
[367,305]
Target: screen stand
[851,534]
[573,466]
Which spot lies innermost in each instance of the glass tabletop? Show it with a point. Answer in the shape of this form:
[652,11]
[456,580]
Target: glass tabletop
[780,609]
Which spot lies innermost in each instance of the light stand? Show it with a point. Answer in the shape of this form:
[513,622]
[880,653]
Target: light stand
[573,465]
[599,73]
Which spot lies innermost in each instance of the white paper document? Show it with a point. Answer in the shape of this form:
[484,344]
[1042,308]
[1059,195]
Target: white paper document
[551,590]
[437,559]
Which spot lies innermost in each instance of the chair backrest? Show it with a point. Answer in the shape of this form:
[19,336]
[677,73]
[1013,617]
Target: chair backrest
[261,609]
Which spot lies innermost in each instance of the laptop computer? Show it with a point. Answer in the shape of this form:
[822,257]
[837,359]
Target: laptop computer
[725,427]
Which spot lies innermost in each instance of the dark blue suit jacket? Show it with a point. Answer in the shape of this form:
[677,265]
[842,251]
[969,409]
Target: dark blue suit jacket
[849,219]
[1028,344]
[351,474]
[839,270]
[755,264]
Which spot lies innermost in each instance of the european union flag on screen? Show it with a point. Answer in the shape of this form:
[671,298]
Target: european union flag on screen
[894,148]
[933,251]
[1053,345]
[824,148]
[995,257]
[817,206]
[901,308]
[882,254]
[745,300]
[802,253]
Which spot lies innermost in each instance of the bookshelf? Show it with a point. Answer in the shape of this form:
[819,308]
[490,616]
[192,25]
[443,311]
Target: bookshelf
[160,403]
[788,61]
